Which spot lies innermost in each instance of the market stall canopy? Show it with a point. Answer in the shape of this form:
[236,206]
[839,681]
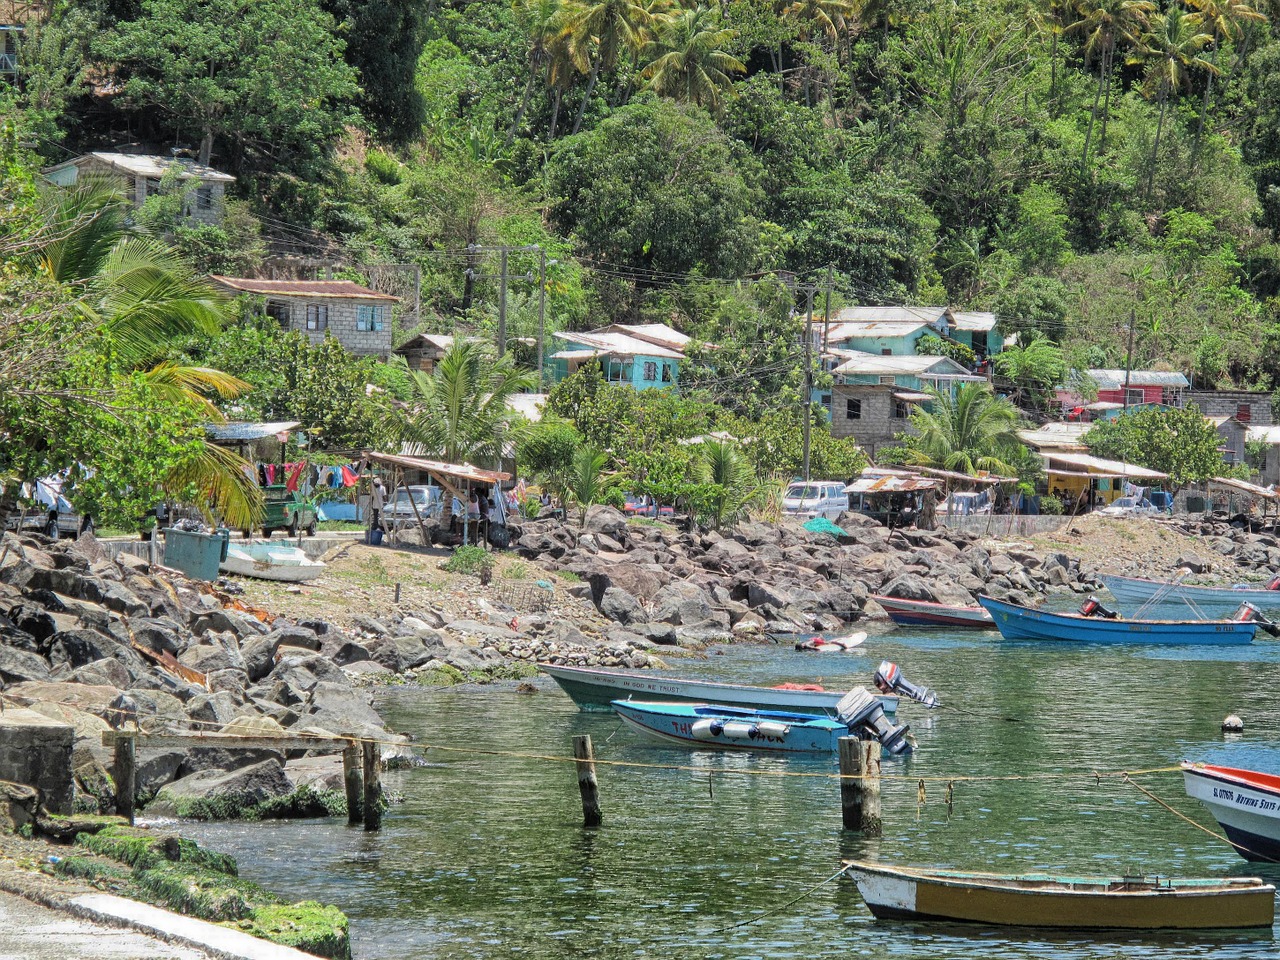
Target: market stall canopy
[982,479]
[456,471]
[1097,466]
[890,485]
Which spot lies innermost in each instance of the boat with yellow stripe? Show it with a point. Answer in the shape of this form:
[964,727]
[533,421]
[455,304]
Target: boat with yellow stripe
[1076,903]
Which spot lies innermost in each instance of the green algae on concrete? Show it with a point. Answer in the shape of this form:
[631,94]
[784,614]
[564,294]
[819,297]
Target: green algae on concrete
[304,802]
[308,926]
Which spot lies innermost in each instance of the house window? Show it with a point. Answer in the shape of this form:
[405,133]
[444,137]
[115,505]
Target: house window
[853,408]
[888,380]
[650,371]
[1244,412]
[901,409]
[1135,396]
[317,316]
[370,318]
[886,351]
[204,198]
[279,312]
[666,373]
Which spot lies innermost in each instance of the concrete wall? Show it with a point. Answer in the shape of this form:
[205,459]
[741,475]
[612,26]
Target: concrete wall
[877,426]
[341,322]
[136,188]
[1226,403]
[36,751]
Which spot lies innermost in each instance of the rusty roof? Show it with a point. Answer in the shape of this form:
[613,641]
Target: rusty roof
[332,289]
[459,471]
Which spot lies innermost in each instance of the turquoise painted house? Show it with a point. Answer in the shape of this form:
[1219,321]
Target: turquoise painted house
[891,331]
[643,355]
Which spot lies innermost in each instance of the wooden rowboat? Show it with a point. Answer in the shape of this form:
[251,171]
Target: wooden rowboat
[1076,903]
[595,689]
[1017,622]
[922,613]
[1245,803]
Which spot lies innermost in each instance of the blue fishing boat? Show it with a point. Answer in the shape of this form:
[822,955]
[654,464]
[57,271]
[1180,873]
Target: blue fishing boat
[722,727]
[1016,622]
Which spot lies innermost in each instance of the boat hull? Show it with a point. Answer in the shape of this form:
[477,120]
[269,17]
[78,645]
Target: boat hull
[1185,601]
[595,689]
[920,613]
[271,562]
[677,723]
[1023,623]
[1245,804]
[1081,903]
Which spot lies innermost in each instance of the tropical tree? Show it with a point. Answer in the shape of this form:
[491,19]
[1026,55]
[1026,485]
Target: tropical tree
[599,33]
[732,488]
[1222,19]
[1171,49]
[1104,24]
[543,25]
[587,481]
[687,60]
[1035,368]
[1180,443]
[459,413]
[975,430]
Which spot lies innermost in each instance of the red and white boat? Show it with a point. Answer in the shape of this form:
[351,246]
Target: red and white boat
[922,613]
[1245,803]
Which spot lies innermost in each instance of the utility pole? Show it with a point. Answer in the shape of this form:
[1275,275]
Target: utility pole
[1128,359]
[807,405]
[502,307]
[826,313]
[542,309]
[505,252]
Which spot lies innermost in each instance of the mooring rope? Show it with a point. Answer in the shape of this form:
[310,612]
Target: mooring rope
[1199,826]
[790,903]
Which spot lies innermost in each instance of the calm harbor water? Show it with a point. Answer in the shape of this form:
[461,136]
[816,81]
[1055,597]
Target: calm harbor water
[486,857]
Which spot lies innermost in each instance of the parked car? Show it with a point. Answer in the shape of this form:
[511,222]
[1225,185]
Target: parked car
[1129,507]
[817,498]
[285,510]
[428,498]
[637,507]
[53,515]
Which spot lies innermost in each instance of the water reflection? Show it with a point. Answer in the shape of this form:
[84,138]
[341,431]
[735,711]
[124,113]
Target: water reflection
[487,857]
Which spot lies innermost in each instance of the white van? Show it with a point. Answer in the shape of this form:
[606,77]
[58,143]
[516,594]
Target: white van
[817,498]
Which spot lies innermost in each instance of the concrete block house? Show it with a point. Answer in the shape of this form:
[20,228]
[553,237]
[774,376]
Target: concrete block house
[141,176]
[359,318]
[644,355]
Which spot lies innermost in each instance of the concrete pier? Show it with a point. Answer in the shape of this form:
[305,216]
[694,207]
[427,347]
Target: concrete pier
[36,751]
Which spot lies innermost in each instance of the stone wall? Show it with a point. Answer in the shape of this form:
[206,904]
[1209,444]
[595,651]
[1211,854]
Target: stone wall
[36,751]
[342,324]
[877,425]
[1227,403]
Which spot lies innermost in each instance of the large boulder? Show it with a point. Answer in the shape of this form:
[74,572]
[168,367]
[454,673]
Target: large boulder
[622,607]
[98,700]
[236,790]
[415,651]
[910,587]
[106,672]
[338,708]
[20,666]
[607,520]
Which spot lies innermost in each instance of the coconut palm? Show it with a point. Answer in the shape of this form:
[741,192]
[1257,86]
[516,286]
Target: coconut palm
[599,33]
[972,431]
[543,23]
[1220,19]
[1171,49]
[828,17]
[734,490]
[688,62]
[1050,17]
[1104,24]
[459,413]
[587,481]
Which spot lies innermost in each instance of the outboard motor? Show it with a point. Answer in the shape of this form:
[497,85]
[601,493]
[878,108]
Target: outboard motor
[1093,608]
[889,679]
[860,711]
[1247,611]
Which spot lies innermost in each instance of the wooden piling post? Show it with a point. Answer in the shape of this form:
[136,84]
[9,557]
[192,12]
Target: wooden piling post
[585,755]
[860,785]
[372,786]
[351,779]
[124,771]
[397,593]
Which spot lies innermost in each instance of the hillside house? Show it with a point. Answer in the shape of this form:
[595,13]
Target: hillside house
[979,331]
[359,318]
[1269,438]
[874,394]
[1250,407]
[141,176]
[425,350]
[1137,389]
[891,331]
[10,39]
[643,355]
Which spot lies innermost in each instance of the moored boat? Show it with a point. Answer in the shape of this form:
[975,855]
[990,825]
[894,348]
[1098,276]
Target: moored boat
[1016,622]
[271,561]
[721,727]
[922,613]
[1077,903]
[1245,803]
[595,689]
[1136,596]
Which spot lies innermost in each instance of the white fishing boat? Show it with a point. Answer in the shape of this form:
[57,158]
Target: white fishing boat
[1175,600]
[271,561]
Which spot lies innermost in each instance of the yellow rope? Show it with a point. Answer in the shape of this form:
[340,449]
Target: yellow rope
[769,913]
[1199,826]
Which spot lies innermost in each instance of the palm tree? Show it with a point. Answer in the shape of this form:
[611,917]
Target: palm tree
[828,17]
[1223,18]
[1104,23]
[587,481]
[599,33]
[1035,368]
[734,490]
[460,412]
[1171,48]
[972,431]
[688,63]
[1050,16]
[137,297]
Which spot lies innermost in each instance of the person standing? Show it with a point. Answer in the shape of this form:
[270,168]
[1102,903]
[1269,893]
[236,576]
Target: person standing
[377,499]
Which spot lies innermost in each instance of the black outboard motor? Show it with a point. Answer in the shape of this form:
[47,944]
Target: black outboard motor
[889,679]
[1247,611]
[861,712]
[1093,608]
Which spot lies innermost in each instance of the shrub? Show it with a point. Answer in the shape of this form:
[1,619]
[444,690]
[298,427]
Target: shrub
[470,559]
[1050,506]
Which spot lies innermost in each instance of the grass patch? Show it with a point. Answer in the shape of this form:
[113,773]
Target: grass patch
[469,559]
[95,871]
[343,526]
[515,570]
[308,926]
[568,576]
[367,572]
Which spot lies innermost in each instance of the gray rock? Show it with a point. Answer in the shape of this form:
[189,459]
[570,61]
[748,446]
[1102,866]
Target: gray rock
[108,672]
[215,652]
[659,633]
[259,654]
[156,768]
[607,520]
[415,651]
[291,636]
[369,625]
[386,652]
[339,709]
[1193,562]
[486,631]
[18,666]
[911,587]
[245,787]
[351,652]
[622,607]
[230,681]
[77,648]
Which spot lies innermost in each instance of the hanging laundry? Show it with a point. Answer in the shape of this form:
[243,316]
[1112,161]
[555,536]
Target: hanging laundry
[262,475]
[291,483]
[271,474]
[349,477]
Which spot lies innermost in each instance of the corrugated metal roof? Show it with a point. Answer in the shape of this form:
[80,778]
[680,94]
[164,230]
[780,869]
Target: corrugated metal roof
[846,330]
[890,485]
[578,354]
[1115,379]
[1264,434]
[1266,493]
[871,363]
[322,289]
[891,312]
[528,404]
[460,471]
[658,333]
[974,320]
[914,397]
[248,431]
[1098,465]
[1061,436]
[620,344]
[139,165]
